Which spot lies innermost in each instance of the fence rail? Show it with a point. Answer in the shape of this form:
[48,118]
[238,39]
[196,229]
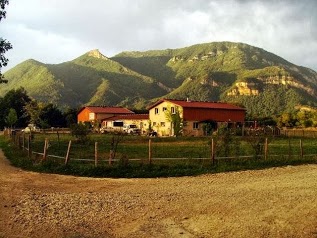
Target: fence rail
[298,133]
[207,150]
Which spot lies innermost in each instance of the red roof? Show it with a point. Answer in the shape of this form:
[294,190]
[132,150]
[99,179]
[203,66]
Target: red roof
[108,110]
[199,104]
[128,117]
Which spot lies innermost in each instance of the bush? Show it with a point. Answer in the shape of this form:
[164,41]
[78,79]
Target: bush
[80,132]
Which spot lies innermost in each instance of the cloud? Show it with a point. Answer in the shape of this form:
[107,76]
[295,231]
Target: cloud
[41,46]
[56,30]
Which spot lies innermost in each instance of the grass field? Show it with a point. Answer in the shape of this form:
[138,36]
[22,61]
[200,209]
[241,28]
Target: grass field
[170,156]
[136,147]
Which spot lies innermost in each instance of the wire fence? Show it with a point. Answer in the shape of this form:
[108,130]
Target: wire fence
[101,149]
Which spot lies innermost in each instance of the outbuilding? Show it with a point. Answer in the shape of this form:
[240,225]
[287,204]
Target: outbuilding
[97,113]
[119,122]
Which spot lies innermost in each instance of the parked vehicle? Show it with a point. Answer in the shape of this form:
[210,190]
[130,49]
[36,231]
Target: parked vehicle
[113,130]
[131,129]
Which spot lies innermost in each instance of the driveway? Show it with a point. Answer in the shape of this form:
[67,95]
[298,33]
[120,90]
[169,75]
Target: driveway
[277,202]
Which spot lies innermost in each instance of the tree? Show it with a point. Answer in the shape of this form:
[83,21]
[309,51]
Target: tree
[3,4]
[80,132]
[115,141]
[44,115]
[257,144]
[4,44]
[70,116]
[15,99]
[226,144]
[176,119]
[305,118]
[286,119]
[33,112]
[51,116]
[12,117]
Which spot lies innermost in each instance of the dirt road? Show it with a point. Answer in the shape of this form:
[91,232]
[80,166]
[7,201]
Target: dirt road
[279,202]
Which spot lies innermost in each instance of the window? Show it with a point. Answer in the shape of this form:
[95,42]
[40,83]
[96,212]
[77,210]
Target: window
[118,124]
[154,123]
[156,110]
[195,125]
[164,109]
[173,110]
[162,124]
[91,116]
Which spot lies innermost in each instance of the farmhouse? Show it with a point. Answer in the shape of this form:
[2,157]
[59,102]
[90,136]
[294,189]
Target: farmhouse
[196,118]
[93,113]
[118,122]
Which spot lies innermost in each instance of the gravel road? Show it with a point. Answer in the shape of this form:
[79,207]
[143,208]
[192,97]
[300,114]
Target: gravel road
[277,202]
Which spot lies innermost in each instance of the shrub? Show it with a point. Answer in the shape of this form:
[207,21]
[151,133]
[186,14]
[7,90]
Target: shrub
[80,132]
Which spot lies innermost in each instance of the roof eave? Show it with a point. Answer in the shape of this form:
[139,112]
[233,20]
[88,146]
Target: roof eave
[155,104]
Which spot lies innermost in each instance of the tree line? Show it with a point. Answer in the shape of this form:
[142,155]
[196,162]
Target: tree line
[277,105]
[17,110]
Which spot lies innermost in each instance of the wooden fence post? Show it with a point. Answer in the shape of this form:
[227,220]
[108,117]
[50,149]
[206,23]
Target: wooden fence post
[57,136]
[289,148]
[68,151]
[11,137]
[110,157]
[45,149]
[301,148]
[14,139]
[96,154]
[23,142]
[29,147]
[212,151]
[265,149]
[19,141]
[150,151]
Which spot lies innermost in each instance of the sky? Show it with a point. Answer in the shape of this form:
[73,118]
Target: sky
[55,31]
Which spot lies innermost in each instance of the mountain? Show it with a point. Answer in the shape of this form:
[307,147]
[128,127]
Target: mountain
[89,79]
[264,83]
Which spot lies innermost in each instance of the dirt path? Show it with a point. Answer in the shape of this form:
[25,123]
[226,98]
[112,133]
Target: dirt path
[280,202]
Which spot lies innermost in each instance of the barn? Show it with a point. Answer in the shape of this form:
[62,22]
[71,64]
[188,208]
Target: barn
[94,113]
[197,117]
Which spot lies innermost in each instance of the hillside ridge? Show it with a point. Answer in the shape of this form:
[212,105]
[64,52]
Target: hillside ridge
[218,71]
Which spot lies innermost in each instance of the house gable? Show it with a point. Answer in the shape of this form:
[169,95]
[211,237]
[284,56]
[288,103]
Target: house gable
[159,118]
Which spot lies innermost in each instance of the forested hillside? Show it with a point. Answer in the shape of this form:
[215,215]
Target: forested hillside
[90,79]
[264,83]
